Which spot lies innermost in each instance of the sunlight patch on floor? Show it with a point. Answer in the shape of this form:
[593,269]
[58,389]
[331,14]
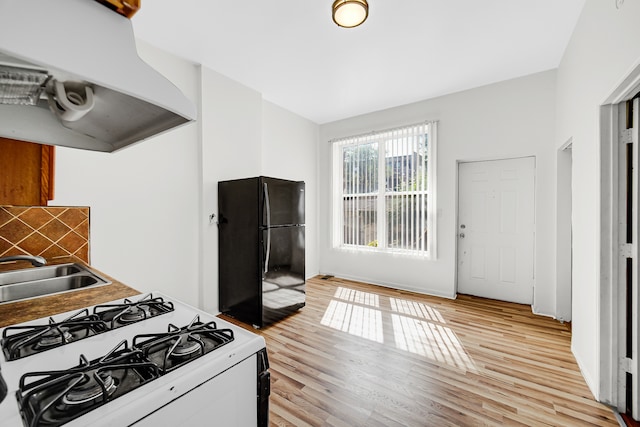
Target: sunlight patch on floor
[356,320]
[416,309]
[415,327]
[358,297]
[436,342]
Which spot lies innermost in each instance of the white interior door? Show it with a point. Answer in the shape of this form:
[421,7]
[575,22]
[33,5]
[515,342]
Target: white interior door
[496,226]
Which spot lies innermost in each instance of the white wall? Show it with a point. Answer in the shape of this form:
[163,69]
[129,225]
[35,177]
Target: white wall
[244,136]
[143,222]
[290,151]
[150,203]
[603,49]
[231,148]
[514,118]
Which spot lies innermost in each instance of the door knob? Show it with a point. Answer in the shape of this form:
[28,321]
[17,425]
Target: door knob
[462,235]
[462,226]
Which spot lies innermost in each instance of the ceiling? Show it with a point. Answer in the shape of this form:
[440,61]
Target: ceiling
[408,50]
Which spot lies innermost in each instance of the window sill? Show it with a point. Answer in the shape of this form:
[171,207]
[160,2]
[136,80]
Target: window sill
[392,252]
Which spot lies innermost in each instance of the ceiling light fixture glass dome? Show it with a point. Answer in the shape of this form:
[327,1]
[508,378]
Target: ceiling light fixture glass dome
[350,13]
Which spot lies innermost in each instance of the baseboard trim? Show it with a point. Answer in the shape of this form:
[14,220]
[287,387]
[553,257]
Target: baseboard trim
[392,285]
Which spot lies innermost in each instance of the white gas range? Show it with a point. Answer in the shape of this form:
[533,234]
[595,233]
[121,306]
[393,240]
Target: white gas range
[147,360]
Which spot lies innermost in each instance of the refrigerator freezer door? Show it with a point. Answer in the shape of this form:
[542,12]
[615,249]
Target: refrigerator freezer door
[282,201]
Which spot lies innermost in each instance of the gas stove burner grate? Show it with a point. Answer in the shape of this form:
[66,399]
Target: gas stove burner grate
[57,397]
[127,312]
[179,346]
[25,340]
[185,347]
[91,387]
[54,338]
[135,314]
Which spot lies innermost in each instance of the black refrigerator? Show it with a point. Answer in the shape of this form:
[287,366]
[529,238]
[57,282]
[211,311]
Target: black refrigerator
[261,249]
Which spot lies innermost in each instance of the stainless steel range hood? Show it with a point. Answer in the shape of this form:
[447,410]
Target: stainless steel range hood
[90,88]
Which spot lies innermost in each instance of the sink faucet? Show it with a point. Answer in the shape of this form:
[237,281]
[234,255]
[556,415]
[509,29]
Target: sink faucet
[37,261]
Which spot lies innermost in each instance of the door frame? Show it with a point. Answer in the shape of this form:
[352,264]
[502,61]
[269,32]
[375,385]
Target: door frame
[610,272]
[457,217]
[564,226]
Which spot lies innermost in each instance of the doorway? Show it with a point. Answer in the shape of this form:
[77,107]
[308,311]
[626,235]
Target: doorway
[496,229]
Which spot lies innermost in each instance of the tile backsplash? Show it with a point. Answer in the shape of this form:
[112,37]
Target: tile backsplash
[48,231]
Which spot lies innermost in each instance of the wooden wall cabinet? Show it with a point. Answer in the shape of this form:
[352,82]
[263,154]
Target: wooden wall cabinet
[26,173]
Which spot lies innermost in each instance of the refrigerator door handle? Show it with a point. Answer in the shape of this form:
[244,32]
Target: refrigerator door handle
[268,212]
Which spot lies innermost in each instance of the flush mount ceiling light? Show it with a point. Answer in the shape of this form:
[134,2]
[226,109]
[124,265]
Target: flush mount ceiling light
[350,13]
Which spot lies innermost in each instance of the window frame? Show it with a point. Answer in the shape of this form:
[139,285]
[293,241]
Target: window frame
[338,196]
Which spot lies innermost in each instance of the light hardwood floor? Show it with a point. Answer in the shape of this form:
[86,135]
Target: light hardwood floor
[363,355]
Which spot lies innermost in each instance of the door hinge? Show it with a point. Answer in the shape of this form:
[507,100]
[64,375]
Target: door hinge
[626,250]
[626,365]
[626,136]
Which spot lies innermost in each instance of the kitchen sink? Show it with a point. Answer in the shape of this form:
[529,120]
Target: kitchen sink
[39,273]
[41,281]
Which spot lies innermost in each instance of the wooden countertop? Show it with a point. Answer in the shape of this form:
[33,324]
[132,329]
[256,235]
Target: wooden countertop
[22,311]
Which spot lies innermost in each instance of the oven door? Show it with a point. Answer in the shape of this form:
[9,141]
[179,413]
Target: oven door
[228,399]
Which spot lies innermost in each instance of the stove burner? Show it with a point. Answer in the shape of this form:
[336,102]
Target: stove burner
[179,346]
[184,347]
[89,388]
[57,397]
[54,338]
[127,312]
[25,340]
[135,314]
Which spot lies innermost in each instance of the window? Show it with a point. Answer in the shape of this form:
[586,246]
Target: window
[384,190]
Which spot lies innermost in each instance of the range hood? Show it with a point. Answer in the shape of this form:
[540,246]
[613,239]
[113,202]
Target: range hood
[70,75]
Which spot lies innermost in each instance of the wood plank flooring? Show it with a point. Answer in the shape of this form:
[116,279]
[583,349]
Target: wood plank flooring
[363,355]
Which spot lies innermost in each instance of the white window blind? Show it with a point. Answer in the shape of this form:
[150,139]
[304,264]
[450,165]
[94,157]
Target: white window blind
[384,190]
